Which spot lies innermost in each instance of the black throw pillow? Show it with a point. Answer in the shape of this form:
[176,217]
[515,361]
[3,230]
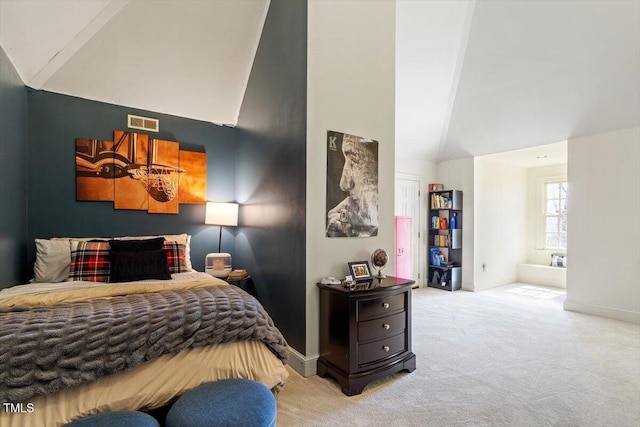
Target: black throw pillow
[132,245]
[141,265]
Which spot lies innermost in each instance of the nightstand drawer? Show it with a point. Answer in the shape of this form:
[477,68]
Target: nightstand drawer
[380,306]
[381,349]
[382,327]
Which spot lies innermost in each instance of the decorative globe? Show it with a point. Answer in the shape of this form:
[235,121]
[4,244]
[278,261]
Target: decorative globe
[379,259]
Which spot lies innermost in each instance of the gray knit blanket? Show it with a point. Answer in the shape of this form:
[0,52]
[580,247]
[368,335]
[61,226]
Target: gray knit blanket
[47,348]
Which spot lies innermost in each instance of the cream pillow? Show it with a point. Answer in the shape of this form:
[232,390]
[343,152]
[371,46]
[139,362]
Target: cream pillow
[53,258]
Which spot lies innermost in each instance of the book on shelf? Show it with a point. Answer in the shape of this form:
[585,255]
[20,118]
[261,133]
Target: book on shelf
[444,223]
[434,254]
[438,259]
[238,275]
[439,223]
[438,201]
[442,240]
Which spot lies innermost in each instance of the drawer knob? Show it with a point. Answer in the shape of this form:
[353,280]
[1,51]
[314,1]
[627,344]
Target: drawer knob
[385,305]
[385,326]
[385,347]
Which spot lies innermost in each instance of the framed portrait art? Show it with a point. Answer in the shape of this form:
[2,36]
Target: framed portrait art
[360,270]
[352,186]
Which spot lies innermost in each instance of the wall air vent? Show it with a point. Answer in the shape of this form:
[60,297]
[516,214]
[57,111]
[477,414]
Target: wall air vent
[143,123]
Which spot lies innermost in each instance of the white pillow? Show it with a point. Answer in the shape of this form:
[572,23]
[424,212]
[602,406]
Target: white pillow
[53,258]
[558,260]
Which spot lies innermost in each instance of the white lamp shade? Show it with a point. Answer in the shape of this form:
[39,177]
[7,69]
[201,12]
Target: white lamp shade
[221,213]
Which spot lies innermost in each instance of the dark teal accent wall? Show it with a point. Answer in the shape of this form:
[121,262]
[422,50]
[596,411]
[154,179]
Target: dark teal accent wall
[271,170]
[55,121]
[13,173]
[261,164]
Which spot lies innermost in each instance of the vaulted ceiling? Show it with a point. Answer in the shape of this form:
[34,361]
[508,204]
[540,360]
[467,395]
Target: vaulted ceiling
[472,77]
[186,58]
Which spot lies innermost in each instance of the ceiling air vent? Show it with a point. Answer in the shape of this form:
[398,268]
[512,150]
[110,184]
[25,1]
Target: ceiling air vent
[143,123]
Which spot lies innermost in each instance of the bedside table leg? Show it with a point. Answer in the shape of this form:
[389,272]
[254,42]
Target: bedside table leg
[321,369]
[354,387]
[410,365]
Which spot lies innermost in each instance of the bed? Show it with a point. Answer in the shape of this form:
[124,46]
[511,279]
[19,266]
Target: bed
[73,348]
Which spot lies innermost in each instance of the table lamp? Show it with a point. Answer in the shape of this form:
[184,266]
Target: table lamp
[217,213]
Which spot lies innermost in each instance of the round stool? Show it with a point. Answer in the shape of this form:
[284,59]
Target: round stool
[231,403]
[116,419]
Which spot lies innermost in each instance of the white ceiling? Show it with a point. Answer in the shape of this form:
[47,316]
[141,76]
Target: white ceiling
[527,73]
[186,58]
[532,157]
[472,78]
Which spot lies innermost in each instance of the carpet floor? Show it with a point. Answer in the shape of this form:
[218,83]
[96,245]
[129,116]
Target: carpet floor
[509,356]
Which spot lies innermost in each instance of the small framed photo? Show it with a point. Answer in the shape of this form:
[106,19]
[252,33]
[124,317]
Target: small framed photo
[360,270]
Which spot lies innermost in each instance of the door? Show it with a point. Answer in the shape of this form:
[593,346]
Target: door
[408,205]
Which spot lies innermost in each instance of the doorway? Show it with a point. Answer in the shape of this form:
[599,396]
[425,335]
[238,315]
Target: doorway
[408,204]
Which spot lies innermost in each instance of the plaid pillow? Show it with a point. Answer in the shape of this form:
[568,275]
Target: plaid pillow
[176,257]
[90,261]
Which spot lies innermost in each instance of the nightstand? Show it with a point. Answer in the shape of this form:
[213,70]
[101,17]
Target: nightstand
[246,284]
[237,282]
[365,333]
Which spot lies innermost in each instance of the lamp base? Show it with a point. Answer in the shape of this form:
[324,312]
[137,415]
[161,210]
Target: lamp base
[218,265]
[220,274]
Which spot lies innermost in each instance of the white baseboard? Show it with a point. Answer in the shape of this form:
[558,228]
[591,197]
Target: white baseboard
[467,286]
[598,310]
[305,366]
[483,286]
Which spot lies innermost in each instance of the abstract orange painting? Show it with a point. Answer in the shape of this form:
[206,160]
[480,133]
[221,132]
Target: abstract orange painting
[95,169]
[193,183]
[129,189]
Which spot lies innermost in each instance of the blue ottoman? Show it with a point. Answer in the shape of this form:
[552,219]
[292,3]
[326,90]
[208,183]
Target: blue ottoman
[116,419]
[231,403]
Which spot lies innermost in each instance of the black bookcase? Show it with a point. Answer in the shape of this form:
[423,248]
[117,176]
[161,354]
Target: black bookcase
[445,240]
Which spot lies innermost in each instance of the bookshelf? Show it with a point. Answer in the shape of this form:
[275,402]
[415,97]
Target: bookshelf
[445,240]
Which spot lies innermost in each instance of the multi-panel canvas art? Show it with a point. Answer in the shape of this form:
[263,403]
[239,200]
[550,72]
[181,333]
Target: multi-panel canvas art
[140,173]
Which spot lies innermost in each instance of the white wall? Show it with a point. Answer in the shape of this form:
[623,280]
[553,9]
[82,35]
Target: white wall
[416,167]
[603,233]
[350,88]
[459,175]
[500,210]
[535,253]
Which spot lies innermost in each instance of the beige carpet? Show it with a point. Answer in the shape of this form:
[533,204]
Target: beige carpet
[510,356]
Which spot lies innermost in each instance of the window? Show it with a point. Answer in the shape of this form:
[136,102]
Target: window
[555,215]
